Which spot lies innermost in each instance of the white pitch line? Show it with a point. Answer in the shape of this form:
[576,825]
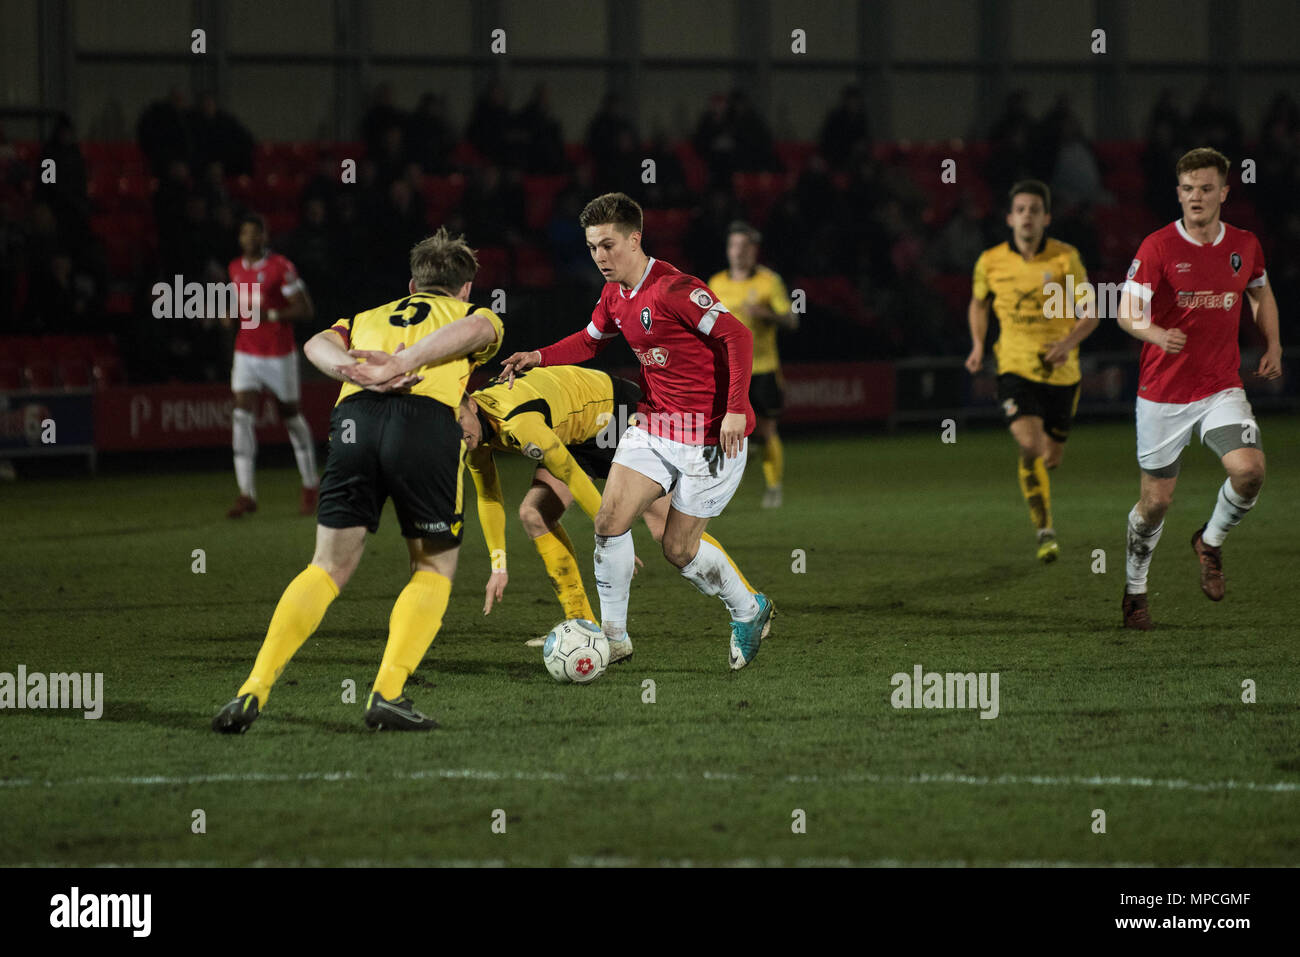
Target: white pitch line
[477,774]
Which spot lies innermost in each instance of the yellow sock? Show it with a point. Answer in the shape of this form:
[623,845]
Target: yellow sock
[706,537]
[414,623]
[1037,490]
[773,461]
[562,568]
[301,608]
[563,537]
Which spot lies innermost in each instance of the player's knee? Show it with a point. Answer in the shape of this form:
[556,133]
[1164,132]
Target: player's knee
[533,521]
[678,552]
[1249,480]
[1154,505]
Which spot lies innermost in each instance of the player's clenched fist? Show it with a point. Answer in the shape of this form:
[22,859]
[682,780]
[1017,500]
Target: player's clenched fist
[520,362]
[1173,341]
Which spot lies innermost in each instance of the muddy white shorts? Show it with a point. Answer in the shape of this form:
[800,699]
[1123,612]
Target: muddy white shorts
[700,478]
[278,373]
[1165,428]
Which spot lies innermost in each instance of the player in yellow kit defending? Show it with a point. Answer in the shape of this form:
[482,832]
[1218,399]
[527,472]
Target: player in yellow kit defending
[756,296]
[1045,308]
[568,421]
[393,433]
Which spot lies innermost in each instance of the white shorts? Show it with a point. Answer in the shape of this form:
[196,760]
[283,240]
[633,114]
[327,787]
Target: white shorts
[1165,428]
[278,373]
[701,479]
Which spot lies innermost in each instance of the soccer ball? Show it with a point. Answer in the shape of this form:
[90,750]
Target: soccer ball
[576,651]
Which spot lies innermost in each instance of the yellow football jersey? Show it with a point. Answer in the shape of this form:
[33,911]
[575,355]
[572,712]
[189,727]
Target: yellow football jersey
[405,322]
[1036,302]
[548,409]
[764,287]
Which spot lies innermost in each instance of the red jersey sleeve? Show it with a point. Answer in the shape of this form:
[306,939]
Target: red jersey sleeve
[584,344]
[1146,270]
[1258,275]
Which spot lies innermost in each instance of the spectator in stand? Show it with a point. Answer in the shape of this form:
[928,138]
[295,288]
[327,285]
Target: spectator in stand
[169,202]
[489,129]
[962,239]
[493,207]
[620,169]
[541,138]
[1212,123]
[430,138]
[705,244]
[1076,180]
[219,137]
[669,188]
[1165,143]
[66,196]
[164,133]
[391,161]
[755,150]
[310,247]
[399,225]
[715,142]
[606,131]
[381,116]
[1011,159]
[325,182]
[1278,177]
[846,131]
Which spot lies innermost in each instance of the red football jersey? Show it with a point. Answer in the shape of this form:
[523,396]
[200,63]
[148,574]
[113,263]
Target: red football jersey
[273,280]
[694,367]
[1198,288]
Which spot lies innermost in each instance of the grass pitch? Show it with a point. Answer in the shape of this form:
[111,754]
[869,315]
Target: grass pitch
[916,552]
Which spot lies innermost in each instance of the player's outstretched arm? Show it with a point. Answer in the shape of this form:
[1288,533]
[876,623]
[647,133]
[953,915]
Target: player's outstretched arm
[977,315]
[1266,318]
[492,519]
[519,362]
[299,309]
[739,345]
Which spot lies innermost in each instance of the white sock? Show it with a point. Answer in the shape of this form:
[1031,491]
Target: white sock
[712,574]
[1142,539]
[1230,509]
[615,561]
[304,449]
[244,441]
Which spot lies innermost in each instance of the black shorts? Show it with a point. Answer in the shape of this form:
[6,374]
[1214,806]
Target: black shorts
[1054,404]
[405,446]
[595,456]
[766,395]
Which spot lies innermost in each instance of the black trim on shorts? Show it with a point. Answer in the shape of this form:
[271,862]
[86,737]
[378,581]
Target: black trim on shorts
[1054,404]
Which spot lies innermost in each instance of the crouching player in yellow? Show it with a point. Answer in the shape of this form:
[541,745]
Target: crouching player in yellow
[568,420]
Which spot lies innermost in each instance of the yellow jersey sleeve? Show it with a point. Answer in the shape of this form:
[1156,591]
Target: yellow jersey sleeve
[979,284]
[491,503]
[530,433]
[779,298]
[489,350]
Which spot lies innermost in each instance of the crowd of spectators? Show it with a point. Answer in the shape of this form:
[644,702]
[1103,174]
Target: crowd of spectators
[847,212]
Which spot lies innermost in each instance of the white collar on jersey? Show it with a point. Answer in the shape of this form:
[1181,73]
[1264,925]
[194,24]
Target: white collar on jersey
[266,254]
[637,288]
[1183,232]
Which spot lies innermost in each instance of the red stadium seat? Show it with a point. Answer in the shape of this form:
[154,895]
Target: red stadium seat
[41,374]
[533,268]
[107,371]
[539,198]
[441,195]
[11,376]
[667,226]
[493,267]
[758,192]
[75,373]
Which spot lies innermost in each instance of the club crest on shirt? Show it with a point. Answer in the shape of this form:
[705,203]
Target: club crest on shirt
[701,298]
[1235,259]
[532,450]
[645,319]
[1133,269]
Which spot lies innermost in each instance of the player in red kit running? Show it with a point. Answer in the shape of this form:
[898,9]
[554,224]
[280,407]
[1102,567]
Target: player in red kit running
[1183,300]
[266,357]
[690,438]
